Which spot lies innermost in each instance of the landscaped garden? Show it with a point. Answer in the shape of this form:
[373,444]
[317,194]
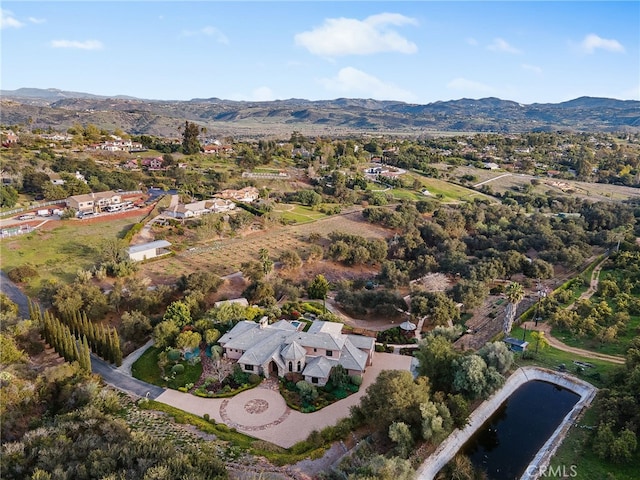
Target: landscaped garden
[305,397]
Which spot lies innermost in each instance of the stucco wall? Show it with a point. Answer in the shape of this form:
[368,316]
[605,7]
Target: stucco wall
[454,442]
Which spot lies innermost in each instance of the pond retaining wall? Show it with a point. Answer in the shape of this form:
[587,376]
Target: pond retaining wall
[456,440]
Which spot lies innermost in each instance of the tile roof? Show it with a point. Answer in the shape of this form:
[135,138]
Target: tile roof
[319,367]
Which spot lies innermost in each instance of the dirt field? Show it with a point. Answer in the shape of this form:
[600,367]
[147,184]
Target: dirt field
[224,256]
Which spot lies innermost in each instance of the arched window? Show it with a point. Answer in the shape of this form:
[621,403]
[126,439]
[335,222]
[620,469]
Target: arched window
[291,366]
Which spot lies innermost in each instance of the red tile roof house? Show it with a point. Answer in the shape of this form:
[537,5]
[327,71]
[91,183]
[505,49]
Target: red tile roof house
[280,348]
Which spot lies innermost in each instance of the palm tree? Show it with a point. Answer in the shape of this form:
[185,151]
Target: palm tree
[515,293]
[541,341]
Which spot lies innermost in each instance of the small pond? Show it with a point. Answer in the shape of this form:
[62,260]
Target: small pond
[509,440]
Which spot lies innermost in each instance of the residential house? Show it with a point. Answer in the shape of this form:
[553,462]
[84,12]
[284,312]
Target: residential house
[281,348]
[203,207]
[246,194]
[56,179]
[153,163]
[8,138]
[146,251]
[131,165]
[240,301]
[93,202]
[215,149]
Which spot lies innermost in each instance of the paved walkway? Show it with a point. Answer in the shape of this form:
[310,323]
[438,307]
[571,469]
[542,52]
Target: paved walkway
[132,357]
[262,412]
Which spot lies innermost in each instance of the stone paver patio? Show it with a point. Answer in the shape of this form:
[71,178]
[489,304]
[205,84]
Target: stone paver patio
[262,412]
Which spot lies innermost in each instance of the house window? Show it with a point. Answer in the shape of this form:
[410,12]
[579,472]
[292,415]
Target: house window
[329,353]
[299,365]
[248,367]
[315,349]
[291,366]
[314,379]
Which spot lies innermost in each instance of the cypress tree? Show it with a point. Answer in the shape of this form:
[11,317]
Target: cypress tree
[117,351]
[101,342]
[86,353]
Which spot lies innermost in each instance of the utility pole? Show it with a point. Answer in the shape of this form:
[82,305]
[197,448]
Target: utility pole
[541,294]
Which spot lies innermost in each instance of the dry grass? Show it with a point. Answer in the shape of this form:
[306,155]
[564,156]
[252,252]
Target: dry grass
[225,256]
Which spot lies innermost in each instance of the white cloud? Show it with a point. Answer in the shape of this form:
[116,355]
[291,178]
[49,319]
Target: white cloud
[501,45]
[263,94]
[260,94]
[532,68]
[208,31]
[37,20]
[86,45]
[472,41]
[349,36]
[469,86]
[351,82]
[592,42]
[7,20]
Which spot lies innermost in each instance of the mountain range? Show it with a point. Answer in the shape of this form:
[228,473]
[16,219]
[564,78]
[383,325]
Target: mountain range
[59,109]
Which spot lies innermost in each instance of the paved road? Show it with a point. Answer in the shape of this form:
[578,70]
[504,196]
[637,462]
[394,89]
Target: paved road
[119,380]
[12,291]
[109,374]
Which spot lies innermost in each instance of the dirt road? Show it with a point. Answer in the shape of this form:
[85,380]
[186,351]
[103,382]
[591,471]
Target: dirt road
[554,342]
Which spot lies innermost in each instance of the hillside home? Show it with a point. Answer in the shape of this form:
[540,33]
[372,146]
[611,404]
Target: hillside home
[152,163]
[56,179]
[8,138]
[246,194]
[93,202]
[203,207]
[281,348]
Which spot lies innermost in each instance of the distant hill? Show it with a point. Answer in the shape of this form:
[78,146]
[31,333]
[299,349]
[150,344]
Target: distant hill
[60,109]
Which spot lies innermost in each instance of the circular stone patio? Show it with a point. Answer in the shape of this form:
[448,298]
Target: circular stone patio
[255,409]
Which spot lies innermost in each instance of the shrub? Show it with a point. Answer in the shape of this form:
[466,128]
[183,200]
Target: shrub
[182,389]
[206,416]
[173,355]
[356,380]
[254,379]
[177,369]
[22,273]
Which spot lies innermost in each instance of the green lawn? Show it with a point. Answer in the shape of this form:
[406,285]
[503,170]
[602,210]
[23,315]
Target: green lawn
[552,357]
[61,251]
[298,213]
[146,369]
[449,192]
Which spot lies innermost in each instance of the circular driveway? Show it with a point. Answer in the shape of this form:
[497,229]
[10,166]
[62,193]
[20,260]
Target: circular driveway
[255,409]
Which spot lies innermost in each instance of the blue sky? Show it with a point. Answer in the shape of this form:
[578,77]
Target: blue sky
[417,51]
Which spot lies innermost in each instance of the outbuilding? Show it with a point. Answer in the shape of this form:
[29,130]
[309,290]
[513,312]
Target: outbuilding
[516,345]
[145,251]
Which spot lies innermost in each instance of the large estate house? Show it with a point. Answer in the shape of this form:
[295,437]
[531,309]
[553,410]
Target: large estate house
[282,347]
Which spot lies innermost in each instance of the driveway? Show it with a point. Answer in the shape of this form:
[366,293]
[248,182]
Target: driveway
[121,381]
[262,412]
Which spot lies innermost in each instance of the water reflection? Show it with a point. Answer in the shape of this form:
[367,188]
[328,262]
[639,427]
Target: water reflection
[509,440]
